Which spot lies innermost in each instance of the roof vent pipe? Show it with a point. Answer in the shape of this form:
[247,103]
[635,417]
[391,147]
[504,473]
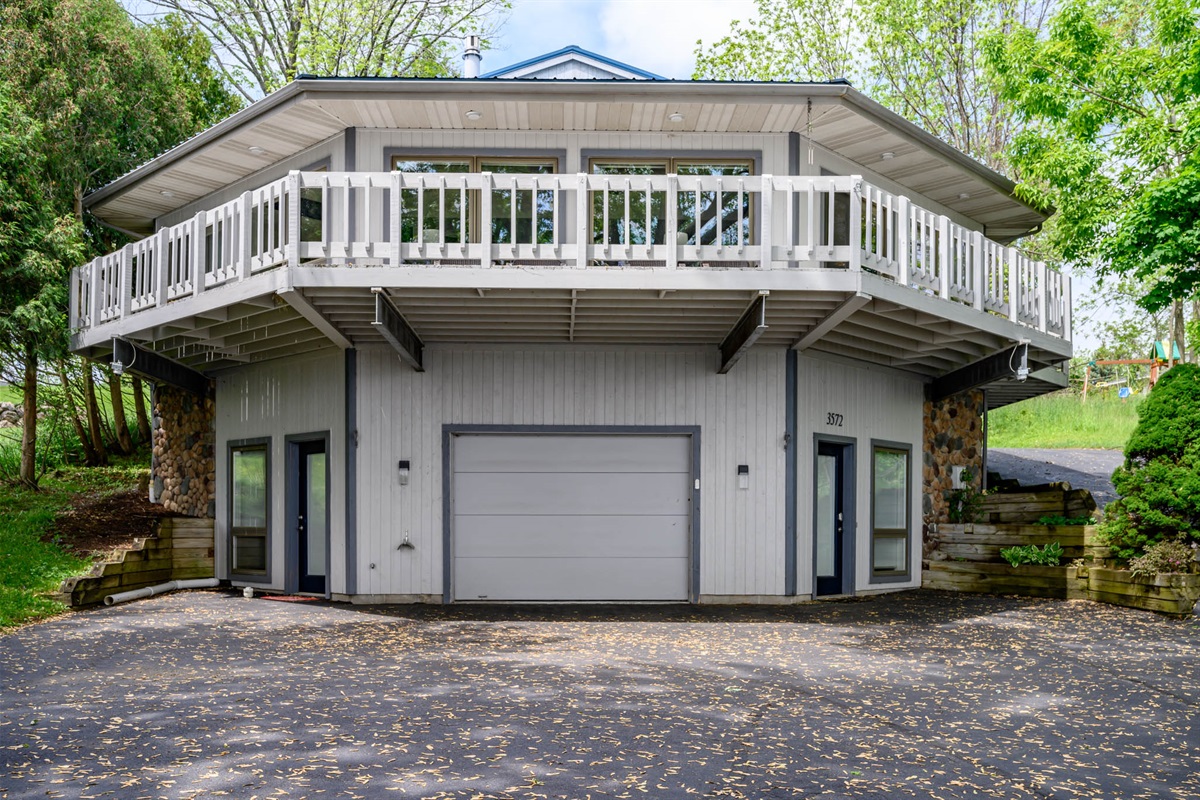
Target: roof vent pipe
[471,57]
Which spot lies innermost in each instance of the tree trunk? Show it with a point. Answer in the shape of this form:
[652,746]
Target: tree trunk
[120,424]
[28,474]
[90,458]
[1177,333]
[93,415]
[139,408]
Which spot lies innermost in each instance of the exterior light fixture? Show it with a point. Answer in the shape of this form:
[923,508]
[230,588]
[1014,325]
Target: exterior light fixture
[676,117]
[473,115]
[888,156]
[167,193]
[964,196]
[256,150]
[743,474]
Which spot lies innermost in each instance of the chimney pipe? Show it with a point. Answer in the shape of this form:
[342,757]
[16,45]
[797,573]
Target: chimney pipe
[471,57]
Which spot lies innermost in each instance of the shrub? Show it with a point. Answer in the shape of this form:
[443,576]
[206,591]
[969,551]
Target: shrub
[1059,519]
[1171,555]
[1159,483]
[1048,556]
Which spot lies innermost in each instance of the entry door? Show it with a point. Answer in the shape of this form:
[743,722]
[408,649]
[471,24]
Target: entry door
[312,521]
[830,527]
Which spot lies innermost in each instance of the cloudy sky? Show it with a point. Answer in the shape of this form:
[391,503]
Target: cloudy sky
[655,35]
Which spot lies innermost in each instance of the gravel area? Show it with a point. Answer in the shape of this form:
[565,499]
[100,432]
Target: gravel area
[1083,469]
[918,694]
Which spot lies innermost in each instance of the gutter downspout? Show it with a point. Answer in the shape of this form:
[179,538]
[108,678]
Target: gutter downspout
[162,588]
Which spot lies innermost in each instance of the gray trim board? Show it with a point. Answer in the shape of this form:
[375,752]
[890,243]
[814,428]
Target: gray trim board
[790,545]
[230,446]
[450,430]
[794,169]
[351,400]
[908,539]
[291,506]
[849,509]
[349,156]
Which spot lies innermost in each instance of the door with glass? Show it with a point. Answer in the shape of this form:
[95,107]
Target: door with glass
[312,518]
[829,529]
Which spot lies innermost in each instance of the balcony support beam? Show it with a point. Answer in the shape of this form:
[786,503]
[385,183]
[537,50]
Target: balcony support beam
[836,317]
[137,360]
[399,334]
[1007,363]
[307,310]
[745,332]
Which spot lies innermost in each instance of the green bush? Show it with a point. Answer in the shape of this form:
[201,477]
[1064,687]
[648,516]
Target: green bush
[1169,555]
[1159,483]
[1048,556]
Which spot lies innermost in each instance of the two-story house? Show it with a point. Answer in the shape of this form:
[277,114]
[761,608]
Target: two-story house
[568,331]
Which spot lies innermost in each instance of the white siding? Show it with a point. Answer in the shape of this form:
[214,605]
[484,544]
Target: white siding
[276,399]
[874,404]
[741,417]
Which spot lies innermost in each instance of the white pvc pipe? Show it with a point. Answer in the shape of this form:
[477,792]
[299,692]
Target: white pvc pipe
[162,588]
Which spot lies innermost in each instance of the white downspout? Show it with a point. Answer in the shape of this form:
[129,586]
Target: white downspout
[162,588]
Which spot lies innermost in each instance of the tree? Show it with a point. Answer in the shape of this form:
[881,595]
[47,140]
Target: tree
[1110,101]
[264,44]
[921,58]
[35,243]
[194,69]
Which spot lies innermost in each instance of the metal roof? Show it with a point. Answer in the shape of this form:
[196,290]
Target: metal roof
[572,49]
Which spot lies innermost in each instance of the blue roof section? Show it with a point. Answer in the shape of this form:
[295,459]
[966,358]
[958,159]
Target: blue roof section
[574,49]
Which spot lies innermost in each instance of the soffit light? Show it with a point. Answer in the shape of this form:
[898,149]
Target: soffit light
[888,156]
[256,150]
[473,115]
[964,196]
[676,117]
[167,193]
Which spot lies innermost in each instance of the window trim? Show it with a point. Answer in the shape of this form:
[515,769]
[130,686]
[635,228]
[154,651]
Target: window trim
[250,576]
[893,576]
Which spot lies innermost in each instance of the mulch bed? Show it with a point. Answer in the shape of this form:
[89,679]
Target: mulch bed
[101,523]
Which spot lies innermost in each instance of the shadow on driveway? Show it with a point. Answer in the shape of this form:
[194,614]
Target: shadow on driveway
[918,694]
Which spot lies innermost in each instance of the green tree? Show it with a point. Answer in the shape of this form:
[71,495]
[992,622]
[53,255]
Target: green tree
[1109,97]
[264,44]
[921,58]
[194,69]
[35,243]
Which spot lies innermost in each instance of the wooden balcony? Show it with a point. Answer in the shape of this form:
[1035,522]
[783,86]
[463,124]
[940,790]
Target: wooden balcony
[558,225]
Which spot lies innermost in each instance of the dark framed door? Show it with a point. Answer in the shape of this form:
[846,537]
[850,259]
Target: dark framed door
[829,521]
[312,517]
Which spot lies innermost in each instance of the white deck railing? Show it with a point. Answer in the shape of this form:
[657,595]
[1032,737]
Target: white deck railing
[572,221]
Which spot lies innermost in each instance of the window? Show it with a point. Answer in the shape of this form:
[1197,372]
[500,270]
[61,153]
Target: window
[249,503]
[518,216]
[699,213]
[890,511]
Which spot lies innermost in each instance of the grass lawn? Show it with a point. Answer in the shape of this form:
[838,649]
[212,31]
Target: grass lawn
[1063,420]
[31,562]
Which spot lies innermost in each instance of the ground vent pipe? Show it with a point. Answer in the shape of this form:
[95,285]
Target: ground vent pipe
[162,588]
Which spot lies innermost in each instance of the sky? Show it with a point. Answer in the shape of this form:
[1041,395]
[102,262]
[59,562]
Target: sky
[655,35]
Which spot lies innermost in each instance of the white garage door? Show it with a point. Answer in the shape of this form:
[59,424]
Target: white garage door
[571,517]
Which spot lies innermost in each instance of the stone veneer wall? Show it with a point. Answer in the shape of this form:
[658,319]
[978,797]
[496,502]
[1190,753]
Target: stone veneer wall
[183,465]
[953,437]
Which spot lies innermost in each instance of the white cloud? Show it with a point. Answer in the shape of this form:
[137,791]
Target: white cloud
[660,35]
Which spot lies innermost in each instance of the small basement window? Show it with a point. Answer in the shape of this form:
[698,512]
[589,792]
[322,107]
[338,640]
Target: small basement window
[249,504]
[890,512]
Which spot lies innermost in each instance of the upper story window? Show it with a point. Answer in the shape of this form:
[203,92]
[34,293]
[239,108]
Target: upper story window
[701,213]
[521,215]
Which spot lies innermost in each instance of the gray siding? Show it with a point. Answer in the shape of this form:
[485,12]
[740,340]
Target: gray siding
[276,399]
[741,416]
[874,404]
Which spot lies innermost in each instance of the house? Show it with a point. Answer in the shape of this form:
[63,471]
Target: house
[568,331]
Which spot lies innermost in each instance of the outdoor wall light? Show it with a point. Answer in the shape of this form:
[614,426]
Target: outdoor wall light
[404,469]
[743,474]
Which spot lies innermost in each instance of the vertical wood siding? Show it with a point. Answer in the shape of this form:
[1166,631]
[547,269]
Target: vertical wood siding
[874,405]
[278,398]
[741,416]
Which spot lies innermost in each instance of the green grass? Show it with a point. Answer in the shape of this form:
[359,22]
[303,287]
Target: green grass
[1063,420]
[30,566]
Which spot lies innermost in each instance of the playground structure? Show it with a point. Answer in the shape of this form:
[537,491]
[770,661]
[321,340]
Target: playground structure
[1158,363]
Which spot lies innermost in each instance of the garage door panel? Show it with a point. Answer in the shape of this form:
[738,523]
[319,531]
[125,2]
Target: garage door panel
[571,536]
[572,493]
[571,453]
[589,579]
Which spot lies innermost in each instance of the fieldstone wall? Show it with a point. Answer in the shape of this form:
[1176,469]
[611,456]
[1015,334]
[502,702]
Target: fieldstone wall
[953,437]
[183,465]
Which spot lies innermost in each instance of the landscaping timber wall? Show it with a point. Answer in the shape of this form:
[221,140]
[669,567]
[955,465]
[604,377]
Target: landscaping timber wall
[966,558]
[1027,507]
[181,550]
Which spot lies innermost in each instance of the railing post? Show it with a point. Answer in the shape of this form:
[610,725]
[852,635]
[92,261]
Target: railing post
[243,254]
[978,263]
[1043,295]
[671,237]
[903,245]
[766,206]
[856,242]
[292,204]
[943,256]
[74,312]
[394,213]
[1066,316]
[199,252]
[125,279]
[1014,285]
[582,219]
[95,294]
[485,220]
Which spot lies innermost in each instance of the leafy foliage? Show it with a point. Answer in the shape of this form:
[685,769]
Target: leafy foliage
[1059,519]
[965,502]
[1159,483]
[1048,556]
[209,97]
[1169,555]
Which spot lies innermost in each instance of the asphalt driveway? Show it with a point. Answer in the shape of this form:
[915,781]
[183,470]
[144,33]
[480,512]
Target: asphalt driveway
[921,694]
